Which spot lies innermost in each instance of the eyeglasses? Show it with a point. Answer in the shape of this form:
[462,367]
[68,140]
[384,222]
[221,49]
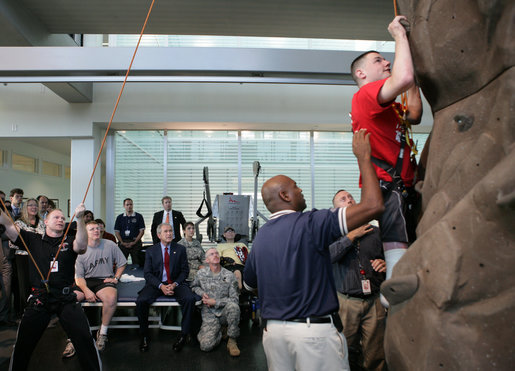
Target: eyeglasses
[32,205]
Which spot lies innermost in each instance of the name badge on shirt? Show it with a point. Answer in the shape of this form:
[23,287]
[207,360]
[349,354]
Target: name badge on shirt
[54,266]
[127,233]
[365,286]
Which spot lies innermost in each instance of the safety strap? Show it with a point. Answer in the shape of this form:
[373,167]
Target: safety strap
[396,172]
[199,210]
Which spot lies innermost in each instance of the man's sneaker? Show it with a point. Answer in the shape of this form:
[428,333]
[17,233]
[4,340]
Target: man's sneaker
[232,347]
[69,350]
[101,341]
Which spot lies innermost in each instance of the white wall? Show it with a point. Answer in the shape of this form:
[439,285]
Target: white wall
[37,111]
[35,184]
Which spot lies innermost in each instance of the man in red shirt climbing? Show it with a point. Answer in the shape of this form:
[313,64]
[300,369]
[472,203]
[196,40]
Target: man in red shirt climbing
[374,108]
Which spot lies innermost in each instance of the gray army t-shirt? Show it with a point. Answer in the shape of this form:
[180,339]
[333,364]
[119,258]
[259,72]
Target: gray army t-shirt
[98,262]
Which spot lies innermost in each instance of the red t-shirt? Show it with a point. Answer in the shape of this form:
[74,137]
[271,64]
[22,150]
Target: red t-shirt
[383,124]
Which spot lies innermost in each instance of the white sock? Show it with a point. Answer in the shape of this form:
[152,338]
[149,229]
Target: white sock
[103,330]
[391,257]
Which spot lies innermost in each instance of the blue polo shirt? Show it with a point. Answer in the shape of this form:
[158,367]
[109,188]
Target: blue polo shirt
[290,263]
[133,223]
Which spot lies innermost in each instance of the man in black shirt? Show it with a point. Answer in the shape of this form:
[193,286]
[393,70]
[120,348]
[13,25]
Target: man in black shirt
[358,270]
[58,297]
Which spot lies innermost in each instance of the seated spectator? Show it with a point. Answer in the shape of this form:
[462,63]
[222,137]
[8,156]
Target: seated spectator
[359,269]
[218,289]
[194,250]
[43,206]
[103,234]
[233,254]
[95,280]
[166,270]
[88,216]
[51,205]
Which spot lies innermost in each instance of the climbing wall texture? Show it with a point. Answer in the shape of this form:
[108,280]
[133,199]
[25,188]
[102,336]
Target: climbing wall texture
[452,295]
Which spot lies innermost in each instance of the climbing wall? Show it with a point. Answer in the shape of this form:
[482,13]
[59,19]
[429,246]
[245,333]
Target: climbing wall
[453,294]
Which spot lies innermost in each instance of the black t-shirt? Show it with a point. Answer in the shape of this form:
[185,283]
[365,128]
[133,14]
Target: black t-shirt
[43,249]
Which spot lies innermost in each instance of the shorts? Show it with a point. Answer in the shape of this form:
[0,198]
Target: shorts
[95,284]
[393,222]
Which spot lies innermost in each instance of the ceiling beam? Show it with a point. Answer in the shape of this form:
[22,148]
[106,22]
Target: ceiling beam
[21,27]
[237,65]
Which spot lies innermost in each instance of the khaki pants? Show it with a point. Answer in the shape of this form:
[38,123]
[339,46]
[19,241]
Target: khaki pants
[363,326]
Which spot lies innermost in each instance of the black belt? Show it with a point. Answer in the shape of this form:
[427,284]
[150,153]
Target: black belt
[54,290]
[325,319]
[362,296]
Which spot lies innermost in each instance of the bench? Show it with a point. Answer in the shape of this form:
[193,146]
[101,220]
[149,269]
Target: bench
[130,284]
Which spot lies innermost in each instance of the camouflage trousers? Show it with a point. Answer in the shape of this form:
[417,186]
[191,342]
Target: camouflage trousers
[211,331]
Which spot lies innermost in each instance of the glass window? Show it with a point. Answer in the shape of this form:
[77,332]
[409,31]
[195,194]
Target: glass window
[279,152]
[336,167]
[24,163]
[188,153]
[249,42]
[67,172]
[140,166]
[51,168]
[139,172]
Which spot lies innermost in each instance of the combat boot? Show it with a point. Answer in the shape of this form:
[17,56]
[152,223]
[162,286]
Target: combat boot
[232,347]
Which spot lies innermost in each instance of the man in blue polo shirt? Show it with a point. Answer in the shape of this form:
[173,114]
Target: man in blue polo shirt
[290,266]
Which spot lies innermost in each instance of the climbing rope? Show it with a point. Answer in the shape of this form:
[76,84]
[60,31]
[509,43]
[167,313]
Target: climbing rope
[45,280]
[405,124]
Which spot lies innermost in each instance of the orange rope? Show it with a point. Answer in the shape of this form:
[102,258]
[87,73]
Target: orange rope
[404,95]
[107,131]
[404,106]
[22,240]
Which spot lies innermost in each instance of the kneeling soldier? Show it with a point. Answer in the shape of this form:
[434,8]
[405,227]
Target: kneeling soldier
[219,290]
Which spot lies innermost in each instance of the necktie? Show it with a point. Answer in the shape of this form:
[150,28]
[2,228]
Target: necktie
[167,265]
[167,221]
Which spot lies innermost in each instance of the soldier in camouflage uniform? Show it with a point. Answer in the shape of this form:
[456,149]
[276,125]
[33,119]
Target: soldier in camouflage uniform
[219,291]
[194,250]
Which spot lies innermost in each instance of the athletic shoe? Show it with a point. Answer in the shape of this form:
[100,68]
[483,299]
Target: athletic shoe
[101,341]
[69,350]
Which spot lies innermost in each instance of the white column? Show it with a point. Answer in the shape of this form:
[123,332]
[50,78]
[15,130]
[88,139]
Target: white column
[83,156]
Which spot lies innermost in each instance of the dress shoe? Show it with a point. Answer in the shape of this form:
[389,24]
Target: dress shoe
[143,344]
[180,343]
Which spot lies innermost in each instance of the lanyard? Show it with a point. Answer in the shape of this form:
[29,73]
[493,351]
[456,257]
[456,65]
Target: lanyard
[361,270]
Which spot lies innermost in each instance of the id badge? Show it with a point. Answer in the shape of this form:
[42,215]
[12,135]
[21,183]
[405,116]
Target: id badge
[54,266]
[127,233]
[365,286]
